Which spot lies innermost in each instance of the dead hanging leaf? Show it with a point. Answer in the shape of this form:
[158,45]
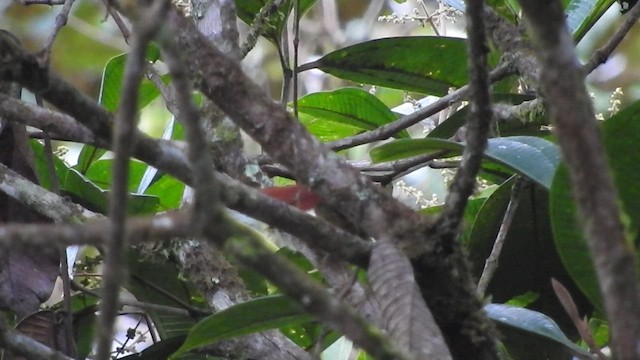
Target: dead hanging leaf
[27,274]
[406,317]
[46,327]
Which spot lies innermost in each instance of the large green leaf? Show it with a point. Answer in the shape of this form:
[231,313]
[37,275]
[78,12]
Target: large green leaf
[583,14]
[528,259]
[532,322]
[570,244]
[100,173]
[534,157]
[621,135]
[337,114]
[111,85]
[255,315]
[88,194]
[424,64]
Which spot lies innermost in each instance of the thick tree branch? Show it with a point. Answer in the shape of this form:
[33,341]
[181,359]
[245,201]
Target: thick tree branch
[45,119]
[468,318]
[223,81]
[596,197]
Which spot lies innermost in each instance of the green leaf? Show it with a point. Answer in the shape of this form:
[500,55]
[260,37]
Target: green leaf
[100,173]
[621,134]
[85,192]
[40,164]
[532,322]
[111,85]
[146,277]
[337,114]
[583,14]
[249,317]
[88,194]
[88,155]
[450,126]
[169,190]
[571,246]
[424,64]
[248,9]
[523,300]
[534,157]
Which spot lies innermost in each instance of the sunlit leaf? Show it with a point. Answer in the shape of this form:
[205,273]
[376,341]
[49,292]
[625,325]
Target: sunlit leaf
[336,114]
[424,64]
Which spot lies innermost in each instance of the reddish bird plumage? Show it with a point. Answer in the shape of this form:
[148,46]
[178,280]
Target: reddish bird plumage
[299,196]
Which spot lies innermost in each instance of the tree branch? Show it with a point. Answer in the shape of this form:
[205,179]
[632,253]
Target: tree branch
[596,197]
[287,141]
[123,144]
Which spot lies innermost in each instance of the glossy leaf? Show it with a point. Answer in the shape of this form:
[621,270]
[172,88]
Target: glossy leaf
[424,64]
[532,322]
[249,317]
[621,134]
[337,114]
[534,157]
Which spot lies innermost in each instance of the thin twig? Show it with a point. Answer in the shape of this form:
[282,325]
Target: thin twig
[61,20]
[601,55]
[140,304]
[42,2]
[388,130]
[478,123]
[124,143]
[170,296]
[491,264]
[258,26]
[296,43]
